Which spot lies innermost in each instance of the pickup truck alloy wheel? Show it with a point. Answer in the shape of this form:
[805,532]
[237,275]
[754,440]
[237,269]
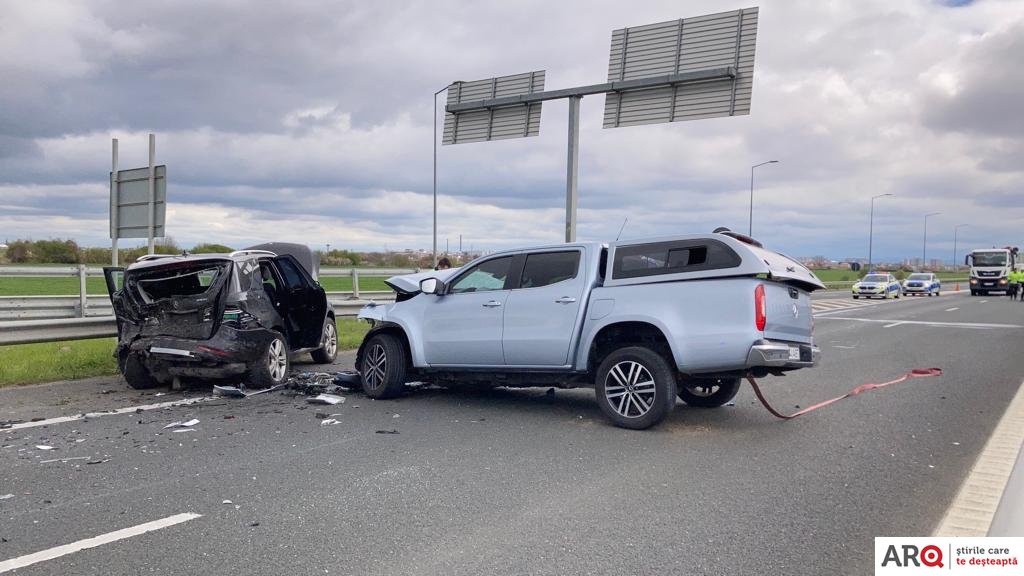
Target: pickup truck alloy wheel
[376,366]
[635,387]
[328,349]
[272,368]
[384,366]
[629,387]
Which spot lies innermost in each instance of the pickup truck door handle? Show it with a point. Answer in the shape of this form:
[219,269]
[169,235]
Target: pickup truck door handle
[492,304]
[565,300]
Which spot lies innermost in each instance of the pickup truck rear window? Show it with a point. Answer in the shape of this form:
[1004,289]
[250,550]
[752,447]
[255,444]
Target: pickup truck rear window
[672,258]
[546,268]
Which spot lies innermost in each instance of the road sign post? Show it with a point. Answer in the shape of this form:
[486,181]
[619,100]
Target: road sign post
[138,201]
[686,69]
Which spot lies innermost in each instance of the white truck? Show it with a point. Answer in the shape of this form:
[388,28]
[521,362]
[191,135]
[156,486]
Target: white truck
[990,269]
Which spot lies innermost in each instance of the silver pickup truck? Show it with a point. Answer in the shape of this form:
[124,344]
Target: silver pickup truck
[643,321]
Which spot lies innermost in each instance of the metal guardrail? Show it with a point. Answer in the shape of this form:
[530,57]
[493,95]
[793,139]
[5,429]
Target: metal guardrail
[56,329]
[48,318]
[51,307]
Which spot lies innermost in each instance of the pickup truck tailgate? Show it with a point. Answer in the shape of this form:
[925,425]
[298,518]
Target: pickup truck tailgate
[788,313]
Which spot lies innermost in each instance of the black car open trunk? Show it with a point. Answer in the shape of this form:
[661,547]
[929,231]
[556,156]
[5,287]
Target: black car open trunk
[181,299]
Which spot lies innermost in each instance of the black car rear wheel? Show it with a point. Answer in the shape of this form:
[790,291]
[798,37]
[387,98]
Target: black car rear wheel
[137,375]
[328,349]
[271,367]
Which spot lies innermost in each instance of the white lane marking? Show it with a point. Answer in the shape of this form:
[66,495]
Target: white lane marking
[58,551]
[972,510]
[126,410]
[982,301]
[893,324]
[975,325]
[951,309]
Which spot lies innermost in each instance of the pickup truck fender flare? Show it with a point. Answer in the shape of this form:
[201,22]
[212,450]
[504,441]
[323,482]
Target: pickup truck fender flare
[593,328]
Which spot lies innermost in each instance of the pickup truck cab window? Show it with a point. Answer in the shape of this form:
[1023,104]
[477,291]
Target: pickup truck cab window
[489,275]
[546,268]
[672,257]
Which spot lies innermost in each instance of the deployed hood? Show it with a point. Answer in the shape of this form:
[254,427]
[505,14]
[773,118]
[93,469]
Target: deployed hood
[306,257]
[410,283]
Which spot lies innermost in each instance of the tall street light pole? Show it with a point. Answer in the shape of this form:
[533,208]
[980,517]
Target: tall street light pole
[871,231]
[750,224]
[435,174]
[956,266]
[924,244]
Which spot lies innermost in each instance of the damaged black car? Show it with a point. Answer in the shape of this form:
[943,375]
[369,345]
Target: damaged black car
[238,315]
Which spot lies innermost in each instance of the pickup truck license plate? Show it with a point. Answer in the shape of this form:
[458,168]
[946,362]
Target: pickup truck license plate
[794,353]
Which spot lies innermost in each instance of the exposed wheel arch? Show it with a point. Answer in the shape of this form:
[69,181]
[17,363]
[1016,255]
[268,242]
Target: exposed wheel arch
[628,333]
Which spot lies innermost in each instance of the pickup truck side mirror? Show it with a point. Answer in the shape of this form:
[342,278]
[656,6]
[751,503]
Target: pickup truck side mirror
[432,286]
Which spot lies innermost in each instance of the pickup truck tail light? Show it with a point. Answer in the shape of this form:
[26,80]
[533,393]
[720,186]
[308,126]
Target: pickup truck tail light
[760,308]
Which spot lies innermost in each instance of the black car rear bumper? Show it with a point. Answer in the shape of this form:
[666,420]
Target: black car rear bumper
[228,353]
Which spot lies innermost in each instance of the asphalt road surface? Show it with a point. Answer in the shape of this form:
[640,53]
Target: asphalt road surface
[519,481]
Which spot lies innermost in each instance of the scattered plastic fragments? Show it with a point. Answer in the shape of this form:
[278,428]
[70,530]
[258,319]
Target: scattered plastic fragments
[327,399]
[6,496]
[186,424]
[64,459]
[43,447]
[240,392]
[329,422]
[98,461]
[227,502]
[387,432]
[184,430]
[348,379]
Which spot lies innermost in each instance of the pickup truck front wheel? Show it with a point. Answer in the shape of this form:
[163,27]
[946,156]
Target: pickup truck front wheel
[708,392]
[636,387]
[383,367]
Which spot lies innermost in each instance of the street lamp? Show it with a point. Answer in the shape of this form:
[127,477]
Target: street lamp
[871,232]
[750,225]
[956,265]
[435,173]
[924,245]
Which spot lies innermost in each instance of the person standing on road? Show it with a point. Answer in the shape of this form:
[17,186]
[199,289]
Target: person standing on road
[1017,284]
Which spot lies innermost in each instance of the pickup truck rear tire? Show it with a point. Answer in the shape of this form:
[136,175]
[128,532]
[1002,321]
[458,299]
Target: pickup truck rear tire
[708,392]
[384,367]
[636,387]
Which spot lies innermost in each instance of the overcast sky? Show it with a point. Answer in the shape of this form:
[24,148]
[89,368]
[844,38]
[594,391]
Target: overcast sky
[310,121]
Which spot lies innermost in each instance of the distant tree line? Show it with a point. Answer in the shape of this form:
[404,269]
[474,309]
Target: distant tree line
[61,251]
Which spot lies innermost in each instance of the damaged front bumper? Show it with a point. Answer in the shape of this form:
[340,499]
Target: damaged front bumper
[782,355]
[228,353]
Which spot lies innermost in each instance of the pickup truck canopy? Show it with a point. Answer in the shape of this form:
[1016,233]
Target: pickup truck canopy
[681,257]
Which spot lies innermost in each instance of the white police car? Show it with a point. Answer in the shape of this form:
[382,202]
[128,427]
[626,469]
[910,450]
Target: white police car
[877,285]
[921,284]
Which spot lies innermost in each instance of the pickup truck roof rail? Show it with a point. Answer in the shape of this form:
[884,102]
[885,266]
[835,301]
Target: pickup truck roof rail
[238,253]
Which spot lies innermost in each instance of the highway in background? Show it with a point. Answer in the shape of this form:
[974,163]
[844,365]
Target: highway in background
[520,481]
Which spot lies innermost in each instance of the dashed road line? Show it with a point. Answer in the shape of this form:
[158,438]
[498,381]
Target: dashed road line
[975,504]
[58,551]
[126,410]
[951,309]
[893,322]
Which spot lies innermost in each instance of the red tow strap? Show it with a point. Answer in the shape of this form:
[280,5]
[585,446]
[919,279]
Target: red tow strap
[915,373]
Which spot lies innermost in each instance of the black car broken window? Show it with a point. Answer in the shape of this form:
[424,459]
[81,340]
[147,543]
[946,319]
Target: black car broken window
[184,281]
[672,258]
[292,276]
